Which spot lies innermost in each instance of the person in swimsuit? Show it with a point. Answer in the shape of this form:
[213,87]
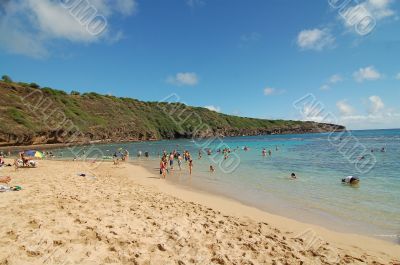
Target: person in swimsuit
[163,168]
[190,166]
[171,161]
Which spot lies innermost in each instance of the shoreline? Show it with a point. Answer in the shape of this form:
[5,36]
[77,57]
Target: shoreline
[55,199]
[6,147]
[313,217]
[176,189]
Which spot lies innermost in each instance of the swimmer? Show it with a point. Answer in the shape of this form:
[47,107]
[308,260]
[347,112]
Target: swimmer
[293,176]
[350,180]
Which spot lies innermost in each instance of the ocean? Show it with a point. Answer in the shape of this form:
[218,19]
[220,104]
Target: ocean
[319,161]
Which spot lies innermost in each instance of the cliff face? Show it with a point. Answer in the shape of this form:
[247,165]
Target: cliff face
[34,116]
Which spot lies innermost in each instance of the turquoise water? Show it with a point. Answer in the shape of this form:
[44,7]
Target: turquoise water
[319,161]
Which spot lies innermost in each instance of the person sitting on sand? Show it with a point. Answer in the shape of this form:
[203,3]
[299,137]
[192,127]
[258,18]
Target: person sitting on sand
[350,180]
[2,162]
[5,180]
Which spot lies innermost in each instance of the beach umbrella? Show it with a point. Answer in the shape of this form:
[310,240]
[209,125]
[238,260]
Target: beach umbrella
[39,155]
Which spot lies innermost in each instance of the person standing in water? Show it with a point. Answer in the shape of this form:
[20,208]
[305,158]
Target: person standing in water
[171,161]
[190,166]
[180,162]
[264,152]
[212,169]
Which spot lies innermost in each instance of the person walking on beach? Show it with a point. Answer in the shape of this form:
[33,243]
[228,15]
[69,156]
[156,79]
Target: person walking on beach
[163,168]
[190,166]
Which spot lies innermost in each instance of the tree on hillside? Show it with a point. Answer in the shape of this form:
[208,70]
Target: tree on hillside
[34,85]
[6,79]
[75,93]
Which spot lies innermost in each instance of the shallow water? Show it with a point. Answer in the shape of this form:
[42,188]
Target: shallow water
[319,160]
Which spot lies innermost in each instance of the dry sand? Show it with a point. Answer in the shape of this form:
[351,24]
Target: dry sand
[126,215]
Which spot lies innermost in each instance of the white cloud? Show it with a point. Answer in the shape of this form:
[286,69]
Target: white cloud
[325,87]
[380,8]
[213,108]
[344,108]
[315,112]
[315,39]
[367,73]
[378,116]
[375,104]
[358,16]
[269,91]
[28,26]
[183,79]
[336,78]
[372,121]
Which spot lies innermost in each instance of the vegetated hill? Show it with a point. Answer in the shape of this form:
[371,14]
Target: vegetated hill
[30,115]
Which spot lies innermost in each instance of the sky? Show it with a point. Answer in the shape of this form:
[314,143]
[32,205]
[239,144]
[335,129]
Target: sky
[258,58]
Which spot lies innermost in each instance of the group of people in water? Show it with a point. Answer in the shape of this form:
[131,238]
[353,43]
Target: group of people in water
[171,157]
[167,160]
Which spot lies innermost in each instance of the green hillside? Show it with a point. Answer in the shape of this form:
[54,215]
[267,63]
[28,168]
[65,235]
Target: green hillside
[34,115]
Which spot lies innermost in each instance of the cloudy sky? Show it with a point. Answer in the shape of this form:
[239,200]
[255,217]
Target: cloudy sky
[248,58]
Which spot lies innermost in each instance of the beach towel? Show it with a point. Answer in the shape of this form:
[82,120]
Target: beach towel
[6,188]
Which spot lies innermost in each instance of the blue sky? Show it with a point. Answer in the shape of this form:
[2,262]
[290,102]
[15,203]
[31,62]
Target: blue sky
[248,58]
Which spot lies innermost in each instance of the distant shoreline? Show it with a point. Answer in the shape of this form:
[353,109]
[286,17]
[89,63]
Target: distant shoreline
[64,145]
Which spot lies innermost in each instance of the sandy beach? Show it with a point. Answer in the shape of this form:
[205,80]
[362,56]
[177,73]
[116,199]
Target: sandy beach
[127,215]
